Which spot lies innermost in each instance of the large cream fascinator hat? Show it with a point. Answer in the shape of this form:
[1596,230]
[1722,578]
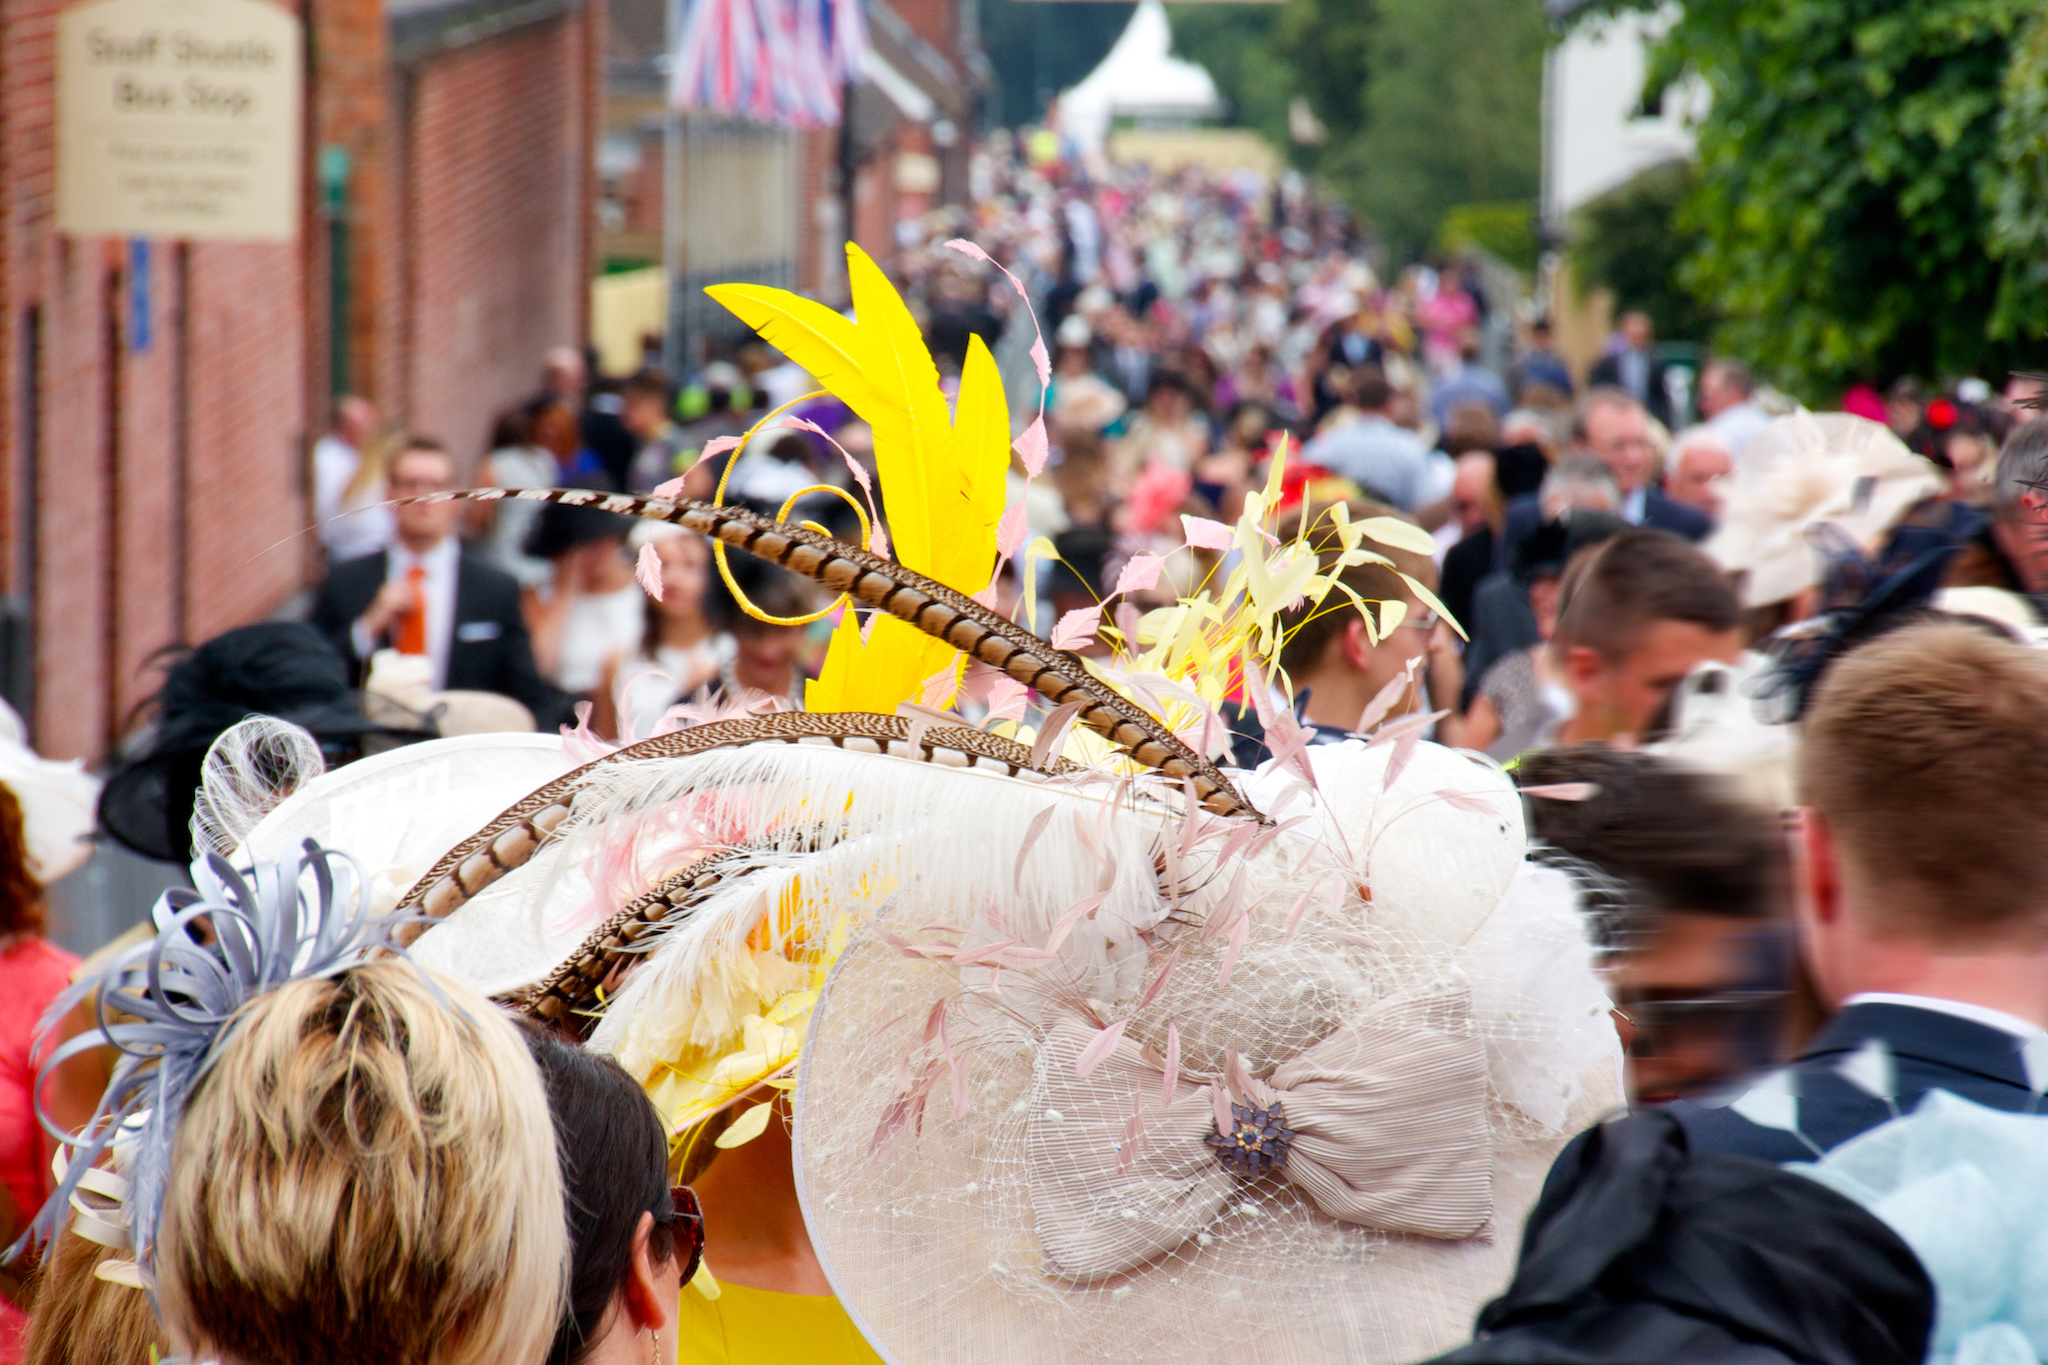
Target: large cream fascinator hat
[1804,469]
[1294,1108]
[1347,947]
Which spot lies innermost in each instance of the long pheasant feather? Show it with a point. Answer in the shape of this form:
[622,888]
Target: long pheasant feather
[937,610]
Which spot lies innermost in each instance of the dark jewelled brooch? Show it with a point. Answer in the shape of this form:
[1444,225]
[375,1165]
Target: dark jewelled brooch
[1258,1141]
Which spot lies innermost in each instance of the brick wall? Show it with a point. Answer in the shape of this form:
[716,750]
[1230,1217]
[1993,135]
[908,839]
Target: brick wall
[164,497]
[199,422]
[496,259]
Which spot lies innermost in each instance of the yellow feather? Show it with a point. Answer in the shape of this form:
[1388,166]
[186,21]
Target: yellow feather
[812,335]
[981,451]
[942,480]
[913,445]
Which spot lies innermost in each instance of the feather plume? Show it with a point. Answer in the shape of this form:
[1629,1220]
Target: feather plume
[830,834]
[163,1007]
[940,611]
[942,479]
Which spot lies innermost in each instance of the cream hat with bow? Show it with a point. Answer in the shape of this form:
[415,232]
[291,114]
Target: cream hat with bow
[1804,469]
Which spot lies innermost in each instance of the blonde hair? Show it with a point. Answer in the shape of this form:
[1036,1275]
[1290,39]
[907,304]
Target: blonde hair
[366,1173]
[80,1319]
[372,466]
[1925,753]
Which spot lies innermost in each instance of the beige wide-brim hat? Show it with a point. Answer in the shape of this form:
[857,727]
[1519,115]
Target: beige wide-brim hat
[1802,470]
[400,692]
[994,1167]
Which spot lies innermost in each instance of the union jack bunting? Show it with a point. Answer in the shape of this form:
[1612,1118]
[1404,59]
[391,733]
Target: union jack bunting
[781,62]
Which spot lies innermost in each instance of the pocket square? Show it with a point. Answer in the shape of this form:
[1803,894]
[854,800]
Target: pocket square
[476,632]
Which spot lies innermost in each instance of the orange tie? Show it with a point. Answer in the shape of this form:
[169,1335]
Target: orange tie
[412,627]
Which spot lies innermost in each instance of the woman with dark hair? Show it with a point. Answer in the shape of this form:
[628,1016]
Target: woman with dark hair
[681,648]
[634,1241]
[767,658]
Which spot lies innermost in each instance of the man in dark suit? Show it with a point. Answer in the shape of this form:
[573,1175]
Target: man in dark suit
[1614,429]
[1633,370]
[424,595]
[1925,913]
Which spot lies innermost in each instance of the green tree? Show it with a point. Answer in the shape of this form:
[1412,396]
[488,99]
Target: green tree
[1038,50]
[1849,171]
[2019,222]
[1236,45]
[1428,104]
[1451,114]
[1633,241]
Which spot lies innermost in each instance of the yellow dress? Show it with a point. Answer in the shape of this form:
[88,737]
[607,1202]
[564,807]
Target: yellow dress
[745,1326]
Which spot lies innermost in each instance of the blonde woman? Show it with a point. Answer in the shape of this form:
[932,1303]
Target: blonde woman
[328,1159]
[349,483]
[366,1173]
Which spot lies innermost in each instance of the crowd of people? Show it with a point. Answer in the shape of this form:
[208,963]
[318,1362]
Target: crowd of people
[1690,736]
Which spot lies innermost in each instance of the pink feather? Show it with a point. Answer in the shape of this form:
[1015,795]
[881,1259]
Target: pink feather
[1073,916]
[1032,447]
[1006,699]
[1239,932]
[1140,572]
[1011,530]
[1077,628]
[1099,1049]
[648,570]
[1564,791]
[1204,534]
[939,689]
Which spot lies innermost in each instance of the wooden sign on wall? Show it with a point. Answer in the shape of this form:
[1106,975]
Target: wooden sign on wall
[179,119]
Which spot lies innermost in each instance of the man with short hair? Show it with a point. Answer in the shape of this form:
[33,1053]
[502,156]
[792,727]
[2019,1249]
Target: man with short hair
[1637,614]
[1614,428]
[1699,460]
[1924,916]
[1633,369]
[1728,404]
[424,595]
[2019,510]
[1387,461]
[1336,666]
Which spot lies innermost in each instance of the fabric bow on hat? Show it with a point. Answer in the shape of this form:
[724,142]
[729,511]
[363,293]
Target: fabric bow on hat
[1382,1123]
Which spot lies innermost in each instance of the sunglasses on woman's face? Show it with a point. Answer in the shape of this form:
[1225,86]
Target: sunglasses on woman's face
[687,1227]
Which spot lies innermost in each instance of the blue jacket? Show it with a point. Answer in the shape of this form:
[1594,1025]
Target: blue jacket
[1932,1051]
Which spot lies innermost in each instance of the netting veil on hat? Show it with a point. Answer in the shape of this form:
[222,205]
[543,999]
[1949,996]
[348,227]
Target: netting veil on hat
[1293,1114]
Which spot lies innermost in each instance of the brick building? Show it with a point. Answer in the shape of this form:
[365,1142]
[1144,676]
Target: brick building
[158,400]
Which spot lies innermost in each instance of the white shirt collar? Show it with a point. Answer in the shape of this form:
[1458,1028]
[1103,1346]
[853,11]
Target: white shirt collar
[440,558]
[1634,506]
[1960,1009]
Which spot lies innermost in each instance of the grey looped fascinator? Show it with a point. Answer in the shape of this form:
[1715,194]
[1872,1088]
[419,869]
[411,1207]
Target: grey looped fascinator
[165,1007]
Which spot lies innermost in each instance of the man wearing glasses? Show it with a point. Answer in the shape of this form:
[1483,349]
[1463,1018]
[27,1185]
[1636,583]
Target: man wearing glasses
[423,595]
